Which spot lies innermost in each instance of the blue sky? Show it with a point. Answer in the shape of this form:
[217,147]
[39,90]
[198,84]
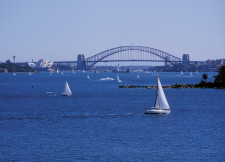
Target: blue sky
[60,29]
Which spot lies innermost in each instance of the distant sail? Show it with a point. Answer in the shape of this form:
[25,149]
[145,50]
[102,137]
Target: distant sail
[67,91]
[118,79]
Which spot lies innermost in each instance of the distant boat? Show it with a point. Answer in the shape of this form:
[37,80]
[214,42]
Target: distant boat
[88,77]
[67,91]
[118,79]
[181,72]
[138,76]
[57,71]
[107,78]
[14,74]
[30,73]
[191,74]
[197,73]
[62,73]
[161,105]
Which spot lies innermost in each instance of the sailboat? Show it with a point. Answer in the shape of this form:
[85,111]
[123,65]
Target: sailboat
[197,73]
[191,74]
[30,73]
[88,77]
[67,91]
[138,76]
[181,73]
[14,74]
[118,79]
[161,105]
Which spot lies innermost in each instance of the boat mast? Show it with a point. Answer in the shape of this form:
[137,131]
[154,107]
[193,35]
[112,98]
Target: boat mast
[156,91]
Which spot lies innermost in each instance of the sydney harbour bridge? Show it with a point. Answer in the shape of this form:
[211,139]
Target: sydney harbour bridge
[125,54]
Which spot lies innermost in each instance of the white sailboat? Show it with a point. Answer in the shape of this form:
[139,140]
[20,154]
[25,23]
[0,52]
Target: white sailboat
[67,91]
[138,76]
[191,74]
[197,73]
[118,79]
[14,74]
[181,72]
[161,105]
[30,73]
[88,77]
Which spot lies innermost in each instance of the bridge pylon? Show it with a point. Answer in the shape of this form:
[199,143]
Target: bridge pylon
[81,62]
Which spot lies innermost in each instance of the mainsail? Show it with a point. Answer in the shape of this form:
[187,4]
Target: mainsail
[161,101]
[67,90]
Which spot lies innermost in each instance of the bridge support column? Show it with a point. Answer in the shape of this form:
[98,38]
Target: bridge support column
[81,62]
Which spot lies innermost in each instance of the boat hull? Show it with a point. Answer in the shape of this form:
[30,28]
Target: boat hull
[66,94]
[157,111]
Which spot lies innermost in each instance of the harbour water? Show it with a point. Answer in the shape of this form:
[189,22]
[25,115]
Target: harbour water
[101,122]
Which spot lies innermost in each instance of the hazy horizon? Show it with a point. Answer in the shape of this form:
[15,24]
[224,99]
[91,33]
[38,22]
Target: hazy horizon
[60,30]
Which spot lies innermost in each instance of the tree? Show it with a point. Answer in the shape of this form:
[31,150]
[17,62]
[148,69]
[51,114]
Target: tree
[205,76]
[220,77]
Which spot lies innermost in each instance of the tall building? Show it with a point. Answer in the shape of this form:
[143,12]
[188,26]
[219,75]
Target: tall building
[14,59]
[81,64]
[185,59]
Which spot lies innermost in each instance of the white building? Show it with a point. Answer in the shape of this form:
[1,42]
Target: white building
[41,64]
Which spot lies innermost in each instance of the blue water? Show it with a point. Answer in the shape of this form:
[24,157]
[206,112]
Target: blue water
[101,122]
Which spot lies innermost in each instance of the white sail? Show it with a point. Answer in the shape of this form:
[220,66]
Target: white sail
[181,72]
[118,79]
[161,101]
[138,76]
[67,91]
[88,77]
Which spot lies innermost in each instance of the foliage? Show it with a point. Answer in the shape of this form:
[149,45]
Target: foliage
[205,76]
[220,78]
[177,68]
[16,68]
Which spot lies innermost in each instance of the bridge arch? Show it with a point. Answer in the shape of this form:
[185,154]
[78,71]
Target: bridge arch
[145,54]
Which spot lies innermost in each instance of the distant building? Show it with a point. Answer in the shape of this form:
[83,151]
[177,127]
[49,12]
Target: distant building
[8,61]
[40,64]
[185,59]
[3,71]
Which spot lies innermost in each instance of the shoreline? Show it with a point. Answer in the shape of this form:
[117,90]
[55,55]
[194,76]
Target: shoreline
[178,86]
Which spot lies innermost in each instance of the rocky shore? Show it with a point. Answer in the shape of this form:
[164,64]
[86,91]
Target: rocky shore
[171,86]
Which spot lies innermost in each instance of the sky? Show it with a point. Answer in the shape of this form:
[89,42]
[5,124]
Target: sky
[59,30]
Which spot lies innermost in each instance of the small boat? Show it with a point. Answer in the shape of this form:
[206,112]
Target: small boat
[88,77]
[197,73]
[30,73]
[118,79]
[107,78]
[138,76]
[191,74]
[181,73]
[161,105]
[67,91]
[57,71]
[14,74]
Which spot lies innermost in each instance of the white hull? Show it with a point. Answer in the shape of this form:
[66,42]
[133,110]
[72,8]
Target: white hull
[157,111]
[66,94]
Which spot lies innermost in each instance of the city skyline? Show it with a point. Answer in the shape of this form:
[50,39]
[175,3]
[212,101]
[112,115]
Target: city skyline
[60,30]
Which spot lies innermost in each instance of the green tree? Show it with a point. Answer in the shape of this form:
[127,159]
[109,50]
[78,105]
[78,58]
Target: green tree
[205,76]
[220,77]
